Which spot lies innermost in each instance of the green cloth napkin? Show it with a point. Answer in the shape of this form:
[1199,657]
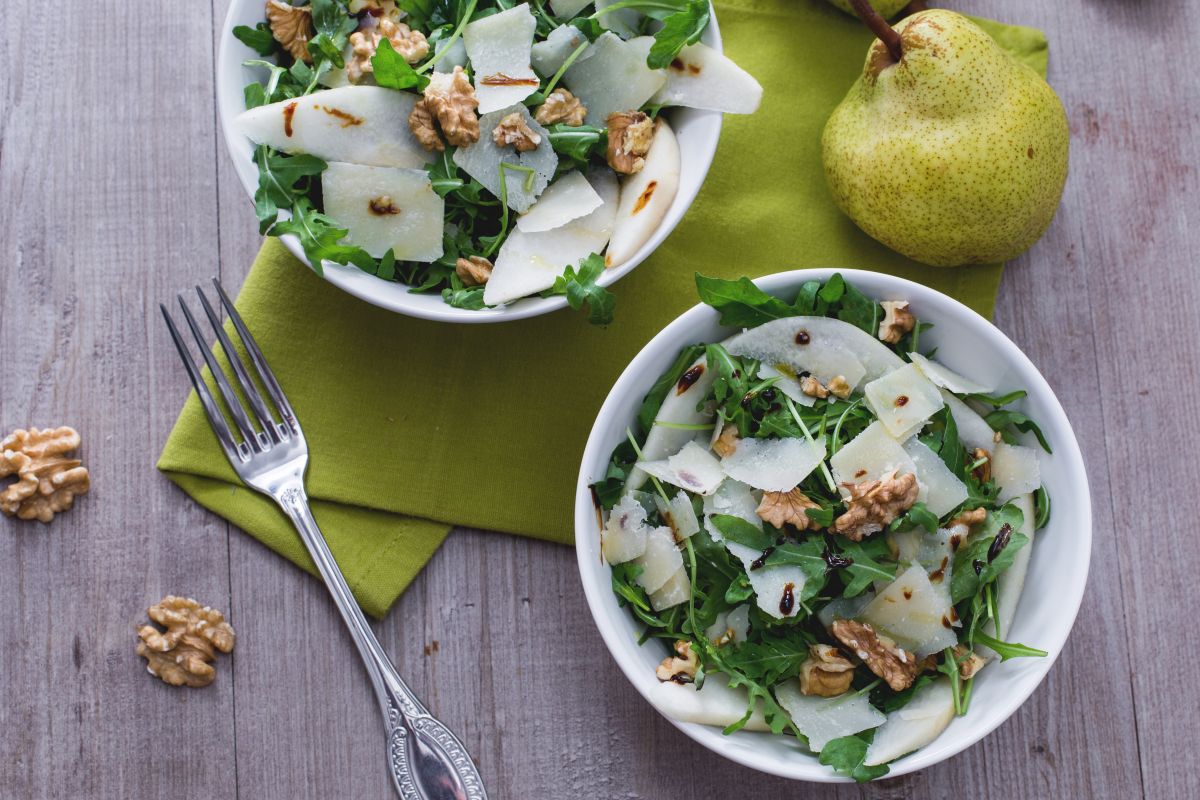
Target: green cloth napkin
[417,426]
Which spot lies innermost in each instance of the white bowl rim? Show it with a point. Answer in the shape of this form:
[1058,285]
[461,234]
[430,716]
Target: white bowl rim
[602,602]
[361,285]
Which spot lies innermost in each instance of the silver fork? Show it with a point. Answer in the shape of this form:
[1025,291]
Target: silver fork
[425,758]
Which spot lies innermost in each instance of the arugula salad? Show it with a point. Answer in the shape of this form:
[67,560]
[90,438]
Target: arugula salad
[826,530]
[488,150]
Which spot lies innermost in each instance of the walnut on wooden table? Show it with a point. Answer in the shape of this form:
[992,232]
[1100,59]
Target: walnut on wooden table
[47,479]
[182,655]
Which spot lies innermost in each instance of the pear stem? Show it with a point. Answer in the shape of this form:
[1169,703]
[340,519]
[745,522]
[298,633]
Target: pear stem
[879,26]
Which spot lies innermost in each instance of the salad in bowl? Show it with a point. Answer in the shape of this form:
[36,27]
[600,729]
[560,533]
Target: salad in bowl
[505,157]
[814,528]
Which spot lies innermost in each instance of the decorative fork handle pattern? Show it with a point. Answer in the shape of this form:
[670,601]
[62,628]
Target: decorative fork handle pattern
[425,758]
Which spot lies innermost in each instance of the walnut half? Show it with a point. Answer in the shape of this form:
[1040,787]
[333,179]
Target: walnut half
[681,668]
[897,321]
[182,654]
[826,672]
[450,102]
[47,480]
[884,657]
[473,270]
[411,45]
[515,131]
[873,504]
[561,106]
[629,136]
[781,508]
[292,27]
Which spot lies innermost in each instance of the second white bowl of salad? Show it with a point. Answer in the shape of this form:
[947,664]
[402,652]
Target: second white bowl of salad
[475,160]
[814,524]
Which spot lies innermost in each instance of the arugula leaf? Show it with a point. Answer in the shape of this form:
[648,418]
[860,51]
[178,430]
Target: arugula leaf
[740,302]
[658,392]
[333,24]
[739,590]
[580,287]
[767,662]
[996,401]
[865,567]
[680,29]
[738,531]
[320,236]
[1007,650]
[846,756]
[392,71]
[1041,506]
[259,38]
[917,516]
[469,298]
[277,178]
[579,143]
[806,555]
[1001,419]
[977,563]
[859,310]
[888,701]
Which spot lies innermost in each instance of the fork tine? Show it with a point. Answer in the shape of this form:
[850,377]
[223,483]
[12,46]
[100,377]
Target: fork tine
[231,400]
[239,371]
[215,418]
[260,362]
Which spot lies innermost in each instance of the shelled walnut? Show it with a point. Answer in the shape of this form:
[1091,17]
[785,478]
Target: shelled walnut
[450,102]
[680,668]
[826,672]
[292,27]
[410,44]
[513,130]
[629,136]
[873,504]
[473,270]
[884,657]
[182,655]
[47,480]
[561,106]
[781,508]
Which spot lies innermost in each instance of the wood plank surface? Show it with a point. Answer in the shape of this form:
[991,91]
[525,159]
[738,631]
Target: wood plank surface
[116,186]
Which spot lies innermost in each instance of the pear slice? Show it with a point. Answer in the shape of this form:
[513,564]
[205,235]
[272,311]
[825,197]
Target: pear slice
[701,77]
[946,378]
[903,400]
[821,346]
[612,75]
[386,209]
[529,262]
[659,561]
[823,719]
[645,197]
[681,406]
[549,55]
[499,48]
[915,725]
[356,124]
[570,197]
[774,465]
[1012,580]
[483,161]
[715,703]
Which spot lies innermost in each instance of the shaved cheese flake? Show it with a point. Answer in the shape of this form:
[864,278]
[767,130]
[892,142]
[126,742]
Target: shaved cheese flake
[870,456]
[823,719]
[914,612]
[570,197]
[1015,469]
[903,400]
[941,489]
[624,535]
[692,468]
[679,514]
[660,560]
[946,378]
[612,75]
[676,590]
[776,465]
[499,48]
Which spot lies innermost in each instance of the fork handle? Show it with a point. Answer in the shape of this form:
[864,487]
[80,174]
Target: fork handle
[425,758]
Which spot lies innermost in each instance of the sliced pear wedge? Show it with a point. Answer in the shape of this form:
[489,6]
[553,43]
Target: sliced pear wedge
[700,77]
[645,197]
[915,725]
[386,209]
[356,124]
[713,704]
[1012,580]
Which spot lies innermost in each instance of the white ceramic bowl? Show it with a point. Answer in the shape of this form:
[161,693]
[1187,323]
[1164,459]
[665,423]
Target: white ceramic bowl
[697,131]
[1057,573]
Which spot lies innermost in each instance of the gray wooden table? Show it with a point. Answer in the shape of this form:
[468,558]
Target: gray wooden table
[115,192]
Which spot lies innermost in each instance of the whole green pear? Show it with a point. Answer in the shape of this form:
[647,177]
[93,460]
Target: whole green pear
[955,154]
[886,8]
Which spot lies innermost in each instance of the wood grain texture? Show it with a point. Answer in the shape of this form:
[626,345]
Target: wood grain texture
[115,188]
